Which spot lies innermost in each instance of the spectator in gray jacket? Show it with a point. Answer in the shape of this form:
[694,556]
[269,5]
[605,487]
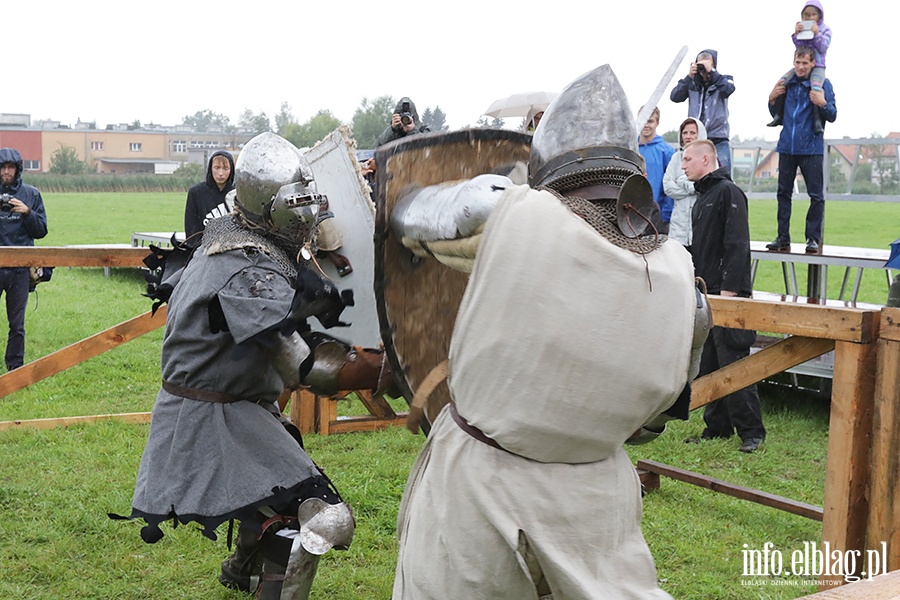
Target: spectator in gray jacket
[707,92]
[404,122]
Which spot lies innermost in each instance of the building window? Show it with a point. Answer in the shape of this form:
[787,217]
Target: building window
[196,144]
[179,147]
[766,174]
[135,146]
[96,145]
[31,165]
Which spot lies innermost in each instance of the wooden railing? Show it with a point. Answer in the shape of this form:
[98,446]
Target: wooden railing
[311,413]
[862,486]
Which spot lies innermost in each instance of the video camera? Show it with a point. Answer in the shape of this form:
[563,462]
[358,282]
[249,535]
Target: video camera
[5,204]
[405,114]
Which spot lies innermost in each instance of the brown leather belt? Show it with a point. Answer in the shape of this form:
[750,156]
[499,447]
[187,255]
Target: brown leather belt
[474,431]
[201,395]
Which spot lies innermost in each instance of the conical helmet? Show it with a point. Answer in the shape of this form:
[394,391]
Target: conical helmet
[276,190]
[587,137]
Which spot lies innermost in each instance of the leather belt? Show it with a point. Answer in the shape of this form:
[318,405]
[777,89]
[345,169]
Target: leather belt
[201,395]
[474,431]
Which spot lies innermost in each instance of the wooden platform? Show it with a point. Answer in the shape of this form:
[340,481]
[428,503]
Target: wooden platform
[882,587]
[140,239]
[844,257]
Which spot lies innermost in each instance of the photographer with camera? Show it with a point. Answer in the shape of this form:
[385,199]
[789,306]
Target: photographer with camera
[22,220]
[404,122]
[707,92]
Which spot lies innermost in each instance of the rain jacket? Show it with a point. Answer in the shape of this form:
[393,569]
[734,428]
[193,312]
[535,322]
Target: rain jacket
[677,187]
[657,153]
[707,100]
[390,134]
[822,40]
[721,248]
[17,229]
[205,200]
[797,132]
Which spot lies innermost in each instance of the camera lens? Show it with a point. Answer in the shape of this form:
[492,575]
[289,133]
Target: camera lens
[405,120]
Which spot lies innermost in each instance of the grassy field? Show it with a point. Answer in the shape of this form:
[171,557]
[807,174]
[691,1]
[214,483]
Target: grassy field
[56,486]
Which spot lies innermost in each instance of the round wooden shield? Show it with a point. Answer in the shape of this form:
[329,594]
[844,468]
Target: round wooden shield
[418,298]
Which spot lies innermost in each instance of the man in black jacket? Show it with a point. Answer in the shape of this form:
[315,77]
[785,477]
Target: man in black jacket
[721,253]
[22,220]
[206,200]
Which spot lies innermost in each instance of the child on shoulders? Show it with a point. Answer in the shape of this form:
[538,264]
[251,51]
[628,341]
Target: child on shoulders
[818,37]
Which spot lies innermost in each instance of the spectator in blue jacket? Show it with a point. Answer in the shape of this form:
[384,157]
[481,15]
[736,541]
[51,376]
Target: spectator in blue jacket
[707,92]
[657,153]
[799,146]
[22,220]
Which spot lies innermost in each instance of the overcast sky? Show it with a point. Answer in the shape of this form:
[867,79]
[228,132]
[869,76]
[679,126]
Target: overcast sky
[114,62]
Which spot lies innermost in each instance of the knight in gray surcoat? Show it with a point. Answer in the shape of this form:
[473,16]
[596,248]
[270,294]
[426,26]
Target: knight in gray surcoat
[236,336]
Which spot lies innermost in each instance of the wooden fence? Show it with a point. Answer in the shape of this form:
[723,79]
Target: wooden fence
[862,486]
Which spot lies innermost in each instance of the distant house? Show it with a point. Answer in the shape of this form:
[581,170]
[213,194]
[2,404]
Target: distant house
[885,161]
[768,165]
[116,148]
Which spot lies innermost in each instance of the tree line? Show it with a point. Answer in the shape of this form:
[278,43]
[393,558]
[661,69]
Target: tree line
[369,120]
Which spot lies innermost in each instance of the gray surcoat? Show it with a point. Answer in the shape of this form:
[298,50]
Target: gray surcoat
[207,461]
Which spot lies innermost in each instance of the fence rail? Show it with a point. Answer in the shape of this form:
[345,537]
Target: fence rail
[883,153]
[862,487]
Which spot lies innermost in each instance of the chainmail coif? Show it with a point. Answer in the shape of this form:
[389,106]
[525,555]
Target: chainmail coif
[230,233]
[601,214]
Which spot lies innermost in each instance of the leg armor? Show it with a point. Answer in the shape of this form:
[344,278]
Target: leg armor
[241,570]
[291,547]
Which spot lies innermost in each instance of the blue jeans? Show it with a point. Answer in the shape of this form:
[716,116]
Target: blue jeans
[811,167]
[14,281]
[723,151]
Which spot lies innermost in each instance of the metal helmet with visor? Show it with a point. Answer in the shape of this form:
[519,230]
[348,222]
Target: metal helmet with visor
[276,191]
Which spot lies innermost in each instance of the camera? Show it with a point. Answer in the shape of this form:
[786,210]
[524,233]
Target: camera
[5,204]
[405,114]
[701,68]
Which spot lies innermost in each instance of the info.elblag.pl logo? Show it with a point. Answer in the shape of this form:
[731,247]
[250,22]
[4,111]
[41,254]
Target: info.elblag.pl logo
[811,562]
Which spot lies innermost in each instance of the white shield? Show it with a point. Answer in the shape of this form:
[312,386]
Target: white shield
[338,176]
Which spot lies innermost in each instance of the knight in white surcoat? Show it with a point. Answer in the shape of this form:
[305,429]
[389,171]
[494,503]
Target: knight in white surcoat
[579,330]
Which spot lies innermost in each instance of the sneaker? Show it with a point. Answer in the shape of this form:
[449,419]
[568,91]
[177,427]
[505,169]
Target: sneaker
[780,245]
[812,246]
[750,444]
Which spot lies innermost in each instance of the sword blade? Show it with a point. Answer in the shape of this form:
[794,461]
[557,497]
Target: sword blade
[651,103]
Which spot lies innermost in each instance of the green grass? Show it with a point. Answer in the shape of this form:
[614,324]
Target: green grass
[56,486]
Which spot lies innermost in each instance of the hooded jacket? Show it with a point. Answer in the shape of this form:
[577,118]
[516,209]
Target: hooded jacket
[822,40]
[205,200]
[681,190]
[707,100]
[390,134]
[657,153]
[797,132]
[17,229]
[721,245]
